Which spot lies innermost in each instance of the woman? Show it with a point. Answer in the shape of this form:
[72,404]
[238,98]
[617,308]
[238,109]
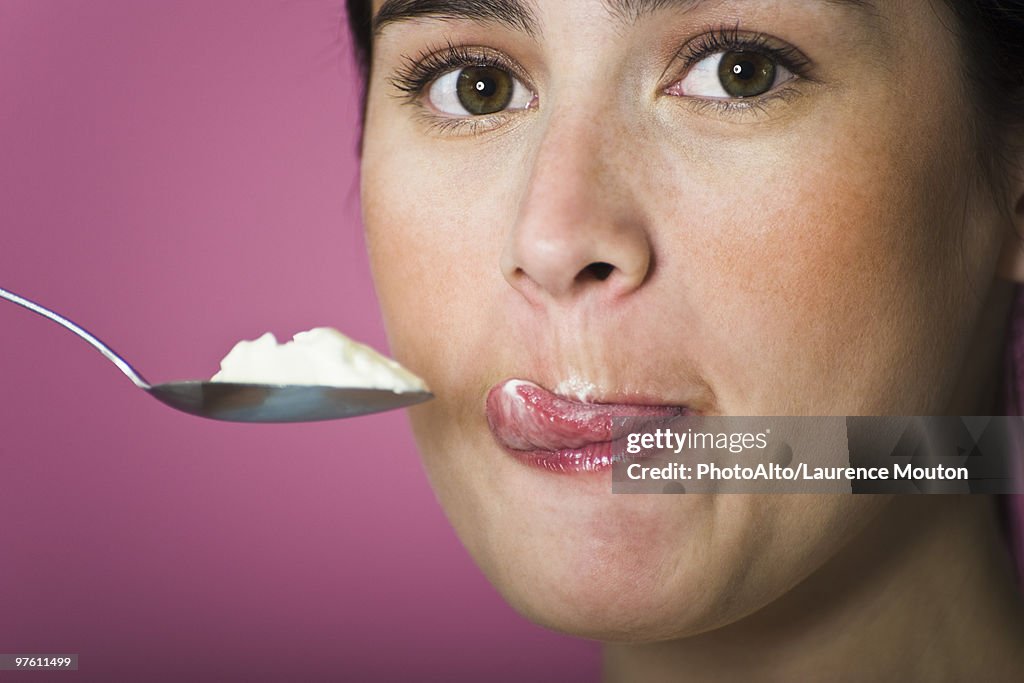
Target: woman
[737,207]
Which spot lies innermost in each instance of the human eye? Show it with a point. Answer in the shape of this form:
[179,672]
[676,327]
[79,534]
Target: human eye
[458,84]
[732,69]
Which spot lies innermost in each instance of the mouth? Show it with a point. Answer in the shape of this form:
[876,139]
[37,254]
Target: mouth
[562,435]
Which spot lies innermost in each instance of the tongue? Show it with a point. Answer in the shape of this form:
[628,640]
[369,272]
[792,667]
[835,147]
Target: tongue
[527,417]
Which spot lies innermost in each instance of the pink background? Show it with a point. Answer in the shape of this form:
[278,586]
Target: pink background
[176,176]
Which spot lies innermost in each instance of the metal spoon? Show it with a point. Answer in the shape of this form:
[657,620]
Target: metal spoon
[246,402]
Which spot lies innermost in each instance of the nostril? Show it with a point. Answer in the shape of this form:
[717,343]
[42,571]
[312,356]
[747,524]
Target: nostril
[600,271]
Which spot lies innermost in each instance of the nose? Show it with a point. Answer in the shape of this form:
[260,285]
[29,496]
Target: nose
[579,231]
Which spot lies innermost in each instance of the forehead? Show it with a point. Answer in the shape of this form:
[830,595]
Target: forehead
[524,14]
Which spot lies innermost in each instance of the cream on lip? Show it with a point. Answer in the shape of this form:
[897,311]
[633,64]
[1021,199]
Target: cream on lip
[319,357]
[576,388]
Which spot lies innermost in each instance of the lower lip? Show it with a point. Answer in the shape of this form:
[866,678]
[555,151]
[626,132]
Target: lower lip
[564,436]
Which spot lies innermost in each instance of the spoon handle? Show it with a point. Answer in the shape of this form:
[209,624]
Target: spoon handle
[121,363]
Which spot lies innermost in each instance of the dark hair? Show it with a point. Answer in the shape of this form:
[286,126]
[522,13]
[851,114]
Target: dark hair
[991,34]
[360,25]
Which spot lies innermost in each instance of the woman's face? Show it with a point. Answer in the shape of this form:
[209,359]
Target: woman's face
[729,207]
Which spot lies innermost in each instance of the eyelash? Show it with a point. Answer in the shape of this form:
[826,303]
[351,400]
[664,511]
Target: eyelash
[418,72]
[732,38]
[728,39]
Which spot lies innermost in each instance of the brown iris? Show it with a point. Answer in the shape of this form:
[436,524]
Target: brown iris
[746,74]
[484,89]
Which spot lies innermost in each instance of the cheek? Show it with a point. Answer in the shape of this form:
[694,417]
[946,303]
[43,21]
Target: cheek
[436,222]
[838,259]
[435,247]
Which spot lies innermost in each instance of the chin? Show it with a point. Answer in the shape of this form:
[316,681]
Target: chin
[626,596]
[570,556]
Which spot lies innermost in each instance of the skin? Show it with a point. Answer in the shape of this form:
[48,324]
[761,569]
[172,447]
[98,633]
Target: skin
[832,251]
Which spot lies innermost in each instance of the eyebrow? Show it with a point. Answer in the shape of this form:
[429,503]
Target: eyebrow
[518,15]
[512,13]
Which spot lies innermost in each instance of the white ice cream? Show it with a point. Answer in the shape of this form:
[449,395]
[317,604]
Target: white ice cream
[322,356]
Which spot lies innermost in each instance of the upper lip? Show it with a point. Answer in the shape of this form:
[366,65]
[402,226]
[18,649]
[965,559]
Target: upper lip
[525,416]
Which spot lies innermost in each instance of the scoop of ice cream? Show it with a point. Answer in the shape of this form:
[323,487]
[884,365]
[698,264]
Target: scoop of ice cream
[322,357]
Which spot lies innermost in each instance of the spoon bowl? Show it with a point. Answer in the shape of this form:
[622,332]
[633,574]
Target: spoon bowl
[279,402]
[236,402]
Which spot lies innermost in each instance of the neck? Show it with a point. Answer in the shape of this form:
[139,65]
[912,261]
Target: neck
[926,592]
